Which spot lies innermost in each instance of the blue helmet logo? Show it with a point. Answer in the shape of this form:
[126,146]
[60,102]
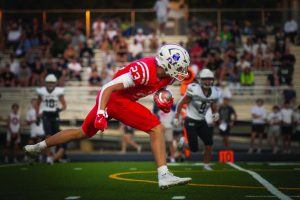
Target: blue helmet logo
[176,56]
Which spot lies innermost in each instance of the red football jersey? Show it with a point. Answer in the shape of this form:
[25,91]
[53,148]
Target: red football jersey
[143,73]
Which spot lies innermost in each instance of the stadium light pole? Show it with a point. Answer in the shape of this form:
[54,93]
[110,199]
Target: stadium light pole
[88,23]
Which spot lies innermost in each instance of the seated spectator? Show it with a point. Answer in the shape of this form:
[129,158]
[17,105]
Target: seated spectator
[247,79]
[94,79]
[13,35]
[75,69]
[37,73]
[289,95]
[154,41]
[135,50]
[14,64]
[272,81]
[98,27]
[225,37]
[120,46]
[111,32]
[224,92]
[7,78]
[242,64]
[267,59]
[291,29]
[280,43]
[24,75]
[140,37]
[56,69]
[70,52]
[105,77]
[248,46]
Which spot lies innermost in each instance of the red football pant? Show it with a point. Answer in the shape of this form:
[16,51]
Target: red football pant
[124,110]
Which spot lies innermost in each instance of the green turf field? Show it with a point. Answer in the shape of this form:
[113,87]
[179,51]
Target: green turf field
[137,180]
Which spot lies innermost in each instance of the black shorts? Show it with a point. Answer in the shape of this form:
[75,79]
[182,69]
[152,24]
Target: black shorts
[128,130]
[195,129]
[51,125]
[225,132]
[287,130]
[258,128]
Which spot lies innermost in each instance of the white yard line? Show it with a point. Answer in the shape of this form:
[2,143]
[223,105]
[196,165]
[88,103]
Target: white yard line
[11,165]
[283,164]
[187,164]
[271,188]
[178,197]
[267,196]
[72,197]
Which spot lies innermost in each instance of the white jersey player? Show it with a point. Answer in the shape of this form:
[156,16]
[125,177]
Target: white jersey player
[199,98]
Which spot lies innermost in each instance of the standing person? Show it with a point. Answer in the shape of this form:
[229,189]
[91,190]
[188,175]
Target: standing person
[274,120]
[199,97]
[118,99]
[161,8]
[167,122]
[297,123]
[127,139]
[258,113]
[228,117]
[287,126]
[13,137]
[33,119]
[52,101]
[291,29]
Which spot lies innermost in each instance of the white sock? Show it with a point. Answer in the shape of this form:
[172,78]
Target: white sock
[206,165]
[41,145]
[162,169]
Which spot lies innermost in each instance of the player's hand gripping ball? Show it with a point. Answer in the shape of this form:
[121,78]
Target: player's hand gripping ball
[164,100]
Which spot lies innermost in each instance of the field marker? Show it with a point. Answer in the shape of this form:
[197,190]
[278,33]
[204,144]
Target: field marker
[11,165]
[273,190]
[267,196]
[178,197]
[77,168]
[132,168]
[72,197]
[283,164]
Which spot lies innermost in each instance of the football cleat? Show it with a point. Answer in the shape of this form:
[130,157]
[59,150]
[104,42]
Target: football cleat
[167,180]
[31,151]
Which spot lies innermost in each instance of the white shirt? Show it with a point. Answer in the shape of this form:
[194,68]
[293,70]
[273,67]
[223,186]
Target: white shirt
[34,128]
[166,118]
[274,117]
[74,66]
[161,7]
[135,49]
[287,115]
[14,122]
[243,64]
[261,112]
[14,35]
[290,26]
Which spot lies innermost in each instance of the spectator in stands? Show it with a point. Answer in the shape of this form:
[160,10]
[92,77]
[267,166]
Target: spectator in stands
[287,126]
[225,37]
[280,42]
[111,32]
[75,69]
[127,138]
[55,68]
[154,41]
[14,32]
[14,64]
[98,27]
[248,46]
[242,64]
[247,79]
[272,81]
[7,78]
[24,75]
[289,94]
[258,113]
[140,37]
[105,77]
[228,117]
[37,73]
[267,59]
[297,123]
[78,39]
[161,8]
[277,61]
[70,53]
[135,50]
[94,79]
[167,121]
[120,47]
[274,120]
[13,138]
[291,29]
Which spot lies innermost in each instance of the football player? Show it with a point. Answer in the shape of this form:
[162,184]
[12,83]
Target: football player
[118,99]
[199,97]
[52,102]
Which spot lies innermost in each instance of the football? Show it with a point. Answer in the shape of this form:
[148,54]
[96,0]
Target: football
[163,96]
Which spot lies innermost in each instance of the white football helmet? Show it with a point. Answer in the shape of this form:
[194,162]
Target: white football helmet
[50,78]
[174,59]
[206,78]
[51,81]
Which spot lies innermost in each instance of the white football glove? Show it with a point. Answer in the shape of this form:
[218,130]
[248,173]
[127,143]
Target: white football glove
[215,117]
[176,122]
